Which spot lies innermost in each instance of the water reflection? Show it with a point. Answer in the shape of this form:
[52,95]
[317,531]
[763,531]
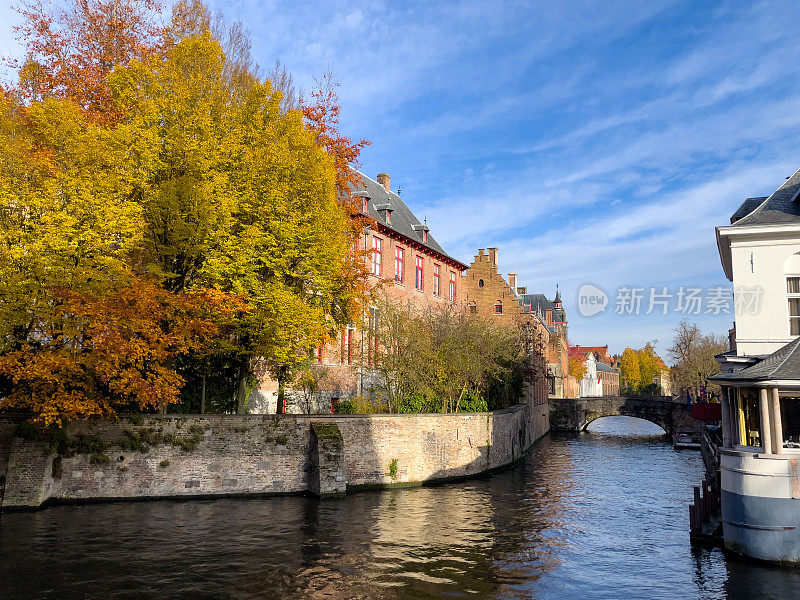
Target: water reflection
[596,515]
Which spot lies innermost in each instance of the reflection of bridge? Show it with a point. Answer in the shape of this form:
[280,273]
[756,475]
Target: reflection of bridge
[574,414]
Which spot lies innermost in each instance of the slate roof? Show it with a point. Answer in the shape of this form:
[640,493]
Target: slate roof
[784,363]
[779,208]
[538,302]
[601,366]
[402,219]
[748,206]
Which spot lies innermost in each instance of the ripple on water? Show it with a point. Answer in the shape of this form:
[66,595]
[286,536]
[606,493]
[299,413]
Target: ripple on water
[597,515]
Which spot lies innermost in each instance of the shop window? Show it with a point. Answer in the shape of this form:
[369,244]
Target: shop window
[749,417]
[790,420]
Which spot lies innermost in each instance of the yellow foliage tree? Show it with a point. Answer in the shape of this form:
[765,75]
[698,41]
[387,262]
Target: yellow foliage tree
[238,196]
[629,369]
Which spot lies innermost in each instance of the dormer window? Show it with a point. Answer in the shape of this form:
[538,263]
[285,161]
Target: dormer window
[424,229]
[385,211]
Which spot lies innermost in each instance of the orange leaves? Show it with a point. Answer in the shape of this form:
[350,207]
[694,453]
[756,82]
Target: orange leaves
[72,51]
[576,363]
[322,117]
[110,351]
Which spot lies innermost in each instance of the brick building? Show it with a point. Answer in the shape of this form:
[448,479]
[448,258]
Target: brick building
[561,384]
[609,378]
[601,353]
[485,293]
[411,267]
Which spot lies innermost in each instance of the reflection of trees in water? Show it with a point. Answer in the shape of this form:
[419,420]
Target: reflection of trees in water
[530,504]
[474,538]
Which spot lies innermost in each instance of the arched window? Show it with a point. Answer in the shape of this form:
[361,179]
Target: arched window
[498,307]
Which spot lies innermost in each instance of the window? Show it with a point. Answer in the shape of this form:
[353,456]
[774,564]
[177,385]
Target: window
[418,281]
[749,417]
[437,277]
[452,293]
[793,291]
[377,256]
[498,308]
[473,308]
[372,337]
[351,333]
[790,420]
[399,264]
[480,282]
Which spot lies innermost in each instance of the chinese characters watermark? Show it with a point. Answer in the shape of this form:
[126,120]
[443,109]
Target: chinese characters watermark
[685,300]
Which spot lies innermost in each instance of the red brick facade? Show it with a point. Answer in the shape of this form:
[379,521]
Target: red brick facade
[486,294]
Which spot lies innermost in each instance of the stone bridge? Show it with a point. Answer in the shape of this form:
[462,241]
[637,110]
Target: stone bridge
[574,414]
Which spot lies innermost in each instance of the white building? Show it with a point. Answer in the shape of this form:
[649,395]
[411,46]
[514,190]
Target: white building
[760,381]
[590,384]
[760,253]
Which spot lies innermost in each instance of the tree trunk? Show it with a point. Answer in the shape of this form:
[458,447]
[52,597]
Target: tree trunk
[203,396]
[281,409]
[241,392]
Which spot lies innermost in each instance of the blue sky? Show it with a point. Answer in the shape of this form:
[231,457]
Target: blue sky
[590,141]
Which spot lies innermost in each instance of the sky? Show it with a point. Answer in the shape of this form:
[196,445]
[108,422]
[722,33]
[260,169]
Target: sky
[591,142]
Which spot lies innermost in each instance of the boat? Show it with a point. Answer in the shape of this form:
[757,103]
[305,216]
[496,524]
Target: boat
[686,437]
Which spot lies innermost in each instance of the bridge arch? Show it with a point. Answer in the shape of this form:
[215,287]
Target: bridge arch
[574,414]
[597,418]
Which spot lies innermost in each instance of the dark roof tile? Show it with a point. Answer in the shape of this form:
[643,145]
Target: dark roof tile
[784,363]
[403,220]
[781,207]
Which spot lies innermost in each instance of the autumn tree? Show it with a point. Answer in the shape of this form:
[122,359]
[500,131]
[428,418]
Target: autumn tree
[576,363]
[239,197]
[81,332]
[693,354]
[73,47]
[444,360]
[163,164]
[640,370]
[630,372]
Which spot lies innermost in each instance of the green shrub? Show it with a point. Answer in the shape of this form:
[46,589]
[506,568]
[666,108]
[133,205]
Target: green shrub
[345,407]
[472,402]
[164,464]
[99,458]
[393,469]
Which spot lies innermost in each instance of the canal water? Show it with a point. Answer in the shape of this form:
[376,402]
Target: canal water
[602,514]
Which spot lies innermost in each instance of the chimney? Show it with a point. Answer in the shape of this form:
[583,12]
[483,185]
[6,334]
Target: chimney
[512,281]
[383,179]
[493,256]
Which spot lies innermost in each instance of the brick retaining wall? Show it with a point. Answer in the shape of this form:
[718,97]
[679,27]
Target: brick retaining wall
[263,454]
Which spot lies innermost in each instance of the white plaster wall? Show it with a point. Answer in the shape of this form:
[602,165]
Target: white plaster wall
[768,330]
[590,388]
